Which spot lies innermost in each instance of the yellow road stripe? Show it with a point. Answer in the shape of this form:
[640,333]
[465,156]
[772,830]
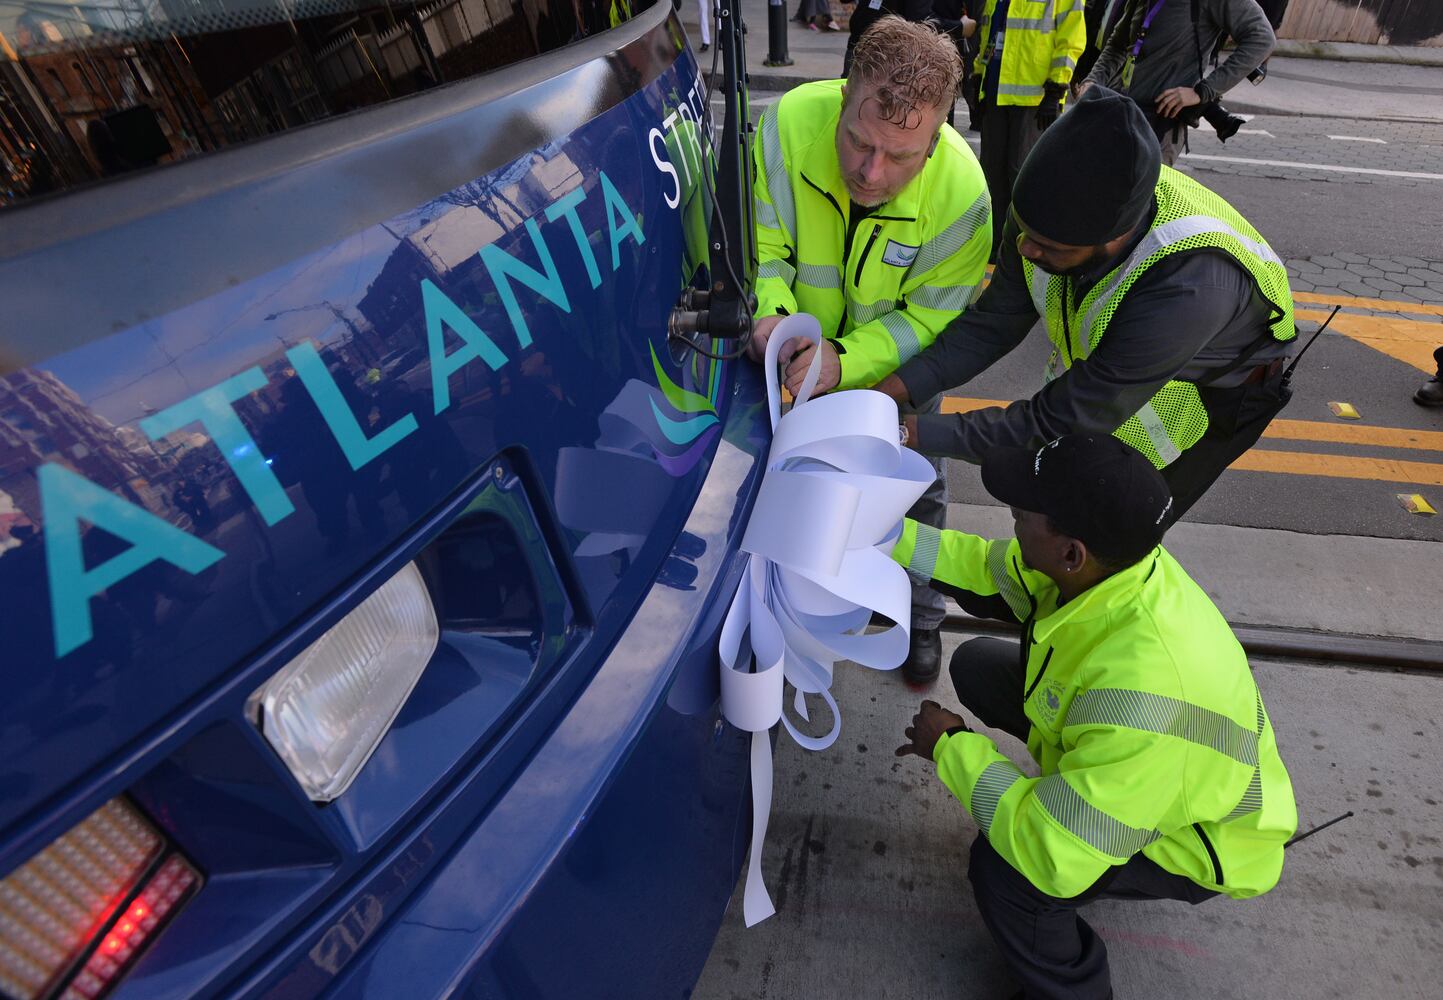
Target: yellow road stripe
[1381,437]
[1287,430]
[1377,305]
[1300,463]
[1308,463]
[1409,340]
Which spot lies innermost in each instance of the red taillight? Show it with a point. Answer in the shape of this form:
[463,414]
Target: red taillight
[73,917]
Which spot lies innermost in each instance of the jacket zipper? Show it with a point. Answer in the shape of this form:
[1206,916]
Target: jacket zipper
[1038,679]
[1212,854]
[862,260]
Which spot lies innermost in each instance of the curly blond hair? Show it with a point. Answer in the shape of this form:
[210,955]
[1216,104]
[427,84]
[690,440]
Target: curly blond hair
[909,67]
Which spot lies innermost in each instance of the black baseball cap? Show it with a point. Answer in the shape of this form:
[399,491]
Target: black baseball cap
[1095,488]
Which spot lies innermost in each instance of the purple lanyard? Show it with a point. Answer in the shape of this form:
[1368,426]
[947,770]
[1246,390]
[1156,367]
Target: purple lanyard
[1142,32]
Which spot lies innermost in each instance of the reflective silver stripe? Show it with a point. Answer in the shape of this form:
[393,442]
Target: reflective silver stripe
[957,235]
[1006,584]
[952,298]
[777,269]
[1103,25]
[1064,62]
[924,551]
[991,785]
[1045,24]
[1155,713]
[903,335]
[1157,434]
[1038,287]
[1252,799]
[819,275]
[766,214]
[865,313]
[779,185]
[1019,90]
[1088,823]
[1163,236]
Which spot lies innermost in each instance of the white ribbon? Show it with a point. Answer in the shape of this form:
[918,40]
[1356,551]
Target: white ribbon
[836,487]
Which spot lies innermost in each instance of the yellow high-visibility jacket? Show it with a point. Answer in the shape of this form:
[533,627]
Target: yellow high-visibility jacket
[1147,725]
[909,268]
[1043,39]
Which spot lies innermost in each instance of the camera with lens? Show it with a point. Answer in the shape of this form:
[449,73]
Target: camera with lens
[1223,121]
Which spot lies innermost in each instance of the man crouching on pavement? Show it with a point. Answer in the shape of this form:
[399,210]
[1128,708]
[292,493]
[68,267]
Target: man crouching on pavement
[1160,774]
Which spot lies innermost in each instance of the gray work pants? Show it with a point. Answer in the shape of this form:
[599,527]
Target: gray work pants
[1008,135]
[929,606]
[1047,945]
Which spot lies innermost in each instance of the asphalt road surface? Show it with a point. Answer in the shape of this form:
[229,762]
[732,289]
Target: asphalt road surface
[1355,206]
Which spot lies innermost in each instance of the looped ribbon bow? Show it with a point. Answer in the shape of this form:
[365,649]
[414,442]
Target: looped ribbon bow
[836,487]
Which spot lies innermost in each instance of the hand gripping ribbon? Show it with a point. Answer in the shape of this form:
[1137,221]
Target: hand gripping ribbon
[836,487]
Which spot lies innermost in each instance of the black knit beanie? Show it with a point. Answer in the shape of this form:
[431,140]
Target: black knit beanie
[1092,174]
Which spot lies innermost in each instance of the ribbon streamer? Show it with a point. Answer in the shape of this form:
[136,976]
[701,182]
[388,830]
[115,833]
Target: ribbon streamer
[836,487]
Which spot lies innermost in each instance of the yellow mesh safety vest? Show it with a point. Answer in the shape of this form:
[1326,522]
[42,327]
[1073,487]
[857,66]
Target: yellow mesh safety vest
[1189,217]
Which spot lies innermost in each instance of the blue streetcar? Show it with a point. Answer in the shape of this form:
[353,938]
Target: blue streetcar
[370,498]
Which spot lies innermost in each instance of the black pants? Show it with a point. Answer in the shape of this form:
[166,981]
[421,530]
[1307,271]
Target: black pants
[1048,946]
[1236,419]
[929,607]
[1008,135]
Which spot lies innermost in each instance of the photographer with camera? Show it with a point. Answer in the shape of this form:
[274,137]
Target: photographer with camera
[1156,55]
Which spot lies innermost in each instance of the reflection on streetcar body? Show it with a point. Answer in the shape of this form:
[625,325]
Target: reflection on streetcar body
[363,542]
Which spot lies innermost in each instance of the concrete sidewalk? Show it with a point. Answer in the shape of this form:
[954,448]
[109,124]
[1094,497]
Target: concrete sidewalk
[1395,83]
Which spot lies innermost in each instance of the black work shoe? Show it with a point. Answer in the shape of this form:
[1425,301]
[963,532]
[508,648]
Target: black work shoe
[924,657]
[1430,393]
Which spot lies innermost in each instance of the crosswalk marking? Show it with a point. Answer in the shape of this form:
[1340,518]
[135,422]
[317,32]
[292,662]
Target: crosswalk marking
[1358,138]
[1333,168]
[1256,131]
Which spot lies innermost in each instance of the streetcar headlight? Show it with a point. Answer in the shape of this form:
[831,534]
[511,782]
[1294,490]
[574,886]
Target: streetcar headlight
[327,710]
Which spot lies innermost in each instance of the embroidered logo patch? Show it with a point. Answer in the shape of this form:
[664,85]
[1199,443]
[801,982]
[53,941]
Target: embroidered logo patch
[899,254]
[1047,702]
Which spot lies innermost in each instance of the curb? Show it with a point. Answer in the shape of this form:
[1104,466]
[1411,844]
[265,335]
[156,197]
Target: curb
[1279,641]
[780,82]
[769,82]
[1244,108]
[1410,55]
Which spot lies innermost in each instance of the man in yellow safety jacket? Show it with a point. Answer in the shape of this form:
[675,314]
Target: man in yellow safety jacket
[1170,317]
[1028,50]
[872,216]
[1160,774]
